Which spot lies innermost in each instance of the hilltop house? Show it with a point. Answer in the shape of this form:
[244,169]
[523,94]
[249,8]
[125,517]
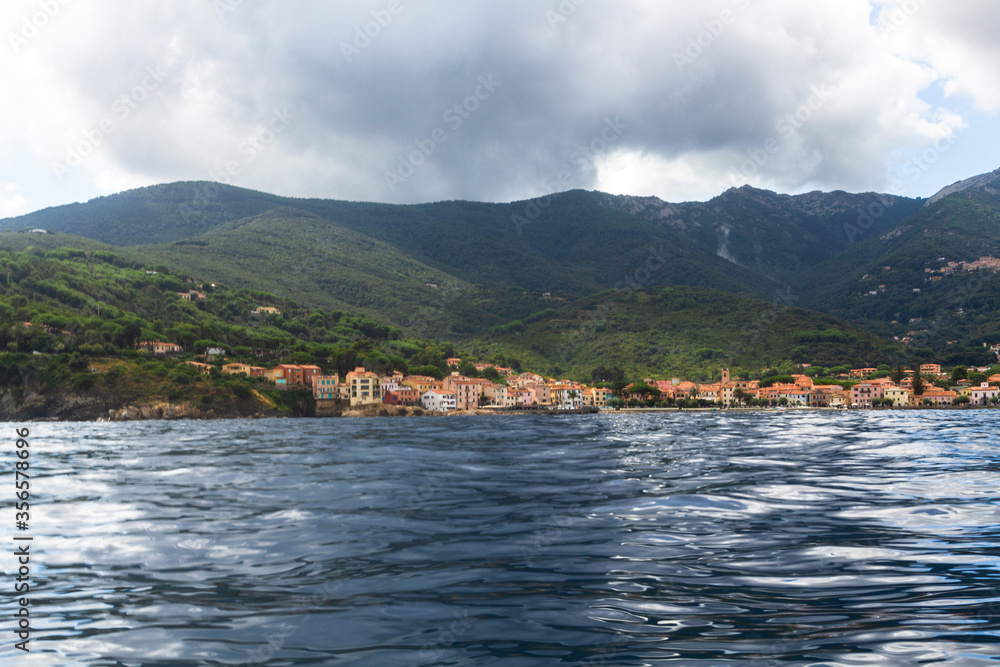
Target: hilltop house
[159,348]
[244,369]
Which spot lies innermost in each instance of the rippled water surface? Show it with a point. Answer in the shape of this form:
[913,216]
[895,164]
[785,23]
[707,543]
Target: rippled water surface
[810,538]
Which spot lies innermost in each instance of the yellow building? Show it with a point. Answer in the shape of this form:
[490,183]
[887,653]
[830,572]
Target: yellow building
[366,388]
[595,398]
[899,396]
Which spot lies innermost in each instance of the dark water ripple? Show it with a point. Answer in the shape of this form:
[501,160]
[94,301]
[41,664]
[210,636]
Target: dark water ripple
[700,539]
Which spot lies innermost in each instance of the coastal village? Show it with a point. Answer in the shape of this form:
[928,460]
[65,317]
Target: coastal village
[860,388]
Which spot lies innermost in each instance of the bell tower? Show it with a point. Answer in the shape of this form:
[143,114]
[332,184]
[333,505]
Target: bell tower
[725,376]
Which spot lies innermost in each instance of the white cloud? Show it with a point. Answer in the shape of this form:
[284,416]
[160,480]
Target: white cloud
[12,202]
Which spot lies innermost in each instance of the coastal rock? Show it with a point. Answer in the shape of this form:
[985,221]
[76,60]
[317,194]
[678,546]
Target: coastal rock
[156,411]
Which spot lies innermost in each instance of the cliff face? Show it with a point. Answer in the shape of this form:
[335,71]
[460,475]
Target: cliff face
[165,410]
[27,403]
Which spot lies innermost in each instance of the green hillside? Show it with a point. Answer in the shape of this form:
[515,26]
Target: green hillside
[300,256]
[70,320]
[566,244]
[954,314]
[454,270]
[681,331]
[154,214]
[776,235]
[571,245]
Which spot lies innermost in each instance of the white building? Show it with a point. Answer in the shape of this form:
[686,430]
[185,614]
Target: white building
[390,384]
[983,394]
[439,401]
[567,398]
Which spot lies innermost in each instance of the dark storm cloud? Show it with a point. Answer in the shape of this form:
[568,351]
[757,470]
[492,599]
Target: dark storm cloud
[403,101]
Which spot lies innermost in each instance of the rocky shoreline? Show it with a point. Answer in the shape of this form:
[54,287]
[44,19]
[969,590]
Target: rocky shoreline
[106,408]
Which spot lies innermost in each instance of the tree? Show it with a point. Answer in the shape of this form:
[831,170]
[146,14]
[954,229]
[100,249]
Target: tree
[739,396]
[962,400]
[918,384]
[959,373]
[644,391]
[618,387]
[898,374]
[491,374]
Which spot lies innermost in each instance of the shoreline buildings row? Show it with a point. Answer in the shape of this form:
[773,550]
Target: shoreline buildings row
[361,387]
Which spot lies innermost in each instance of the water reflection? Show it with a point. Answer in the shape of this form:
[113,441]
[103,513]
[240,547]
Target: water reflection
[699,538]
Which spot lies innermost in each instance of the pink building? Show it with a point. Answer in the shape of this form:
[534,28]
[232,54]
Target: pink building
[863,394]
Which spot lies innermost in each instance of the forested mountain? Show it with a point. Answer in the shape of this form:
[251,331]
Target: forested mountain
[457,270]
[692,331]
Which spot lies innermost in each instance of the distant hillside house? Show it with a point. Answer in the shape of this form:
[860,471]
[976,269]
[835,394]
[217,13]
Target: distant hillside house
[265,310]
[243,369]
[204,369]
[38,231]
[158,347]
[193,294]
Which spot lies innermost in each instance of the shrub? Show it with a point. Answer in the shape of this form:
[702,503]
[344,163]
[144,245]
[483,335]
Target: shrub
[82,381]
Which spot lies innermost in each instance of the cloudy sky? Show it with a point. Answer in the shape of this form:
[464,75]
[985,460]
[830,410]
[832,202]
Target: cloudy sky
[405,101]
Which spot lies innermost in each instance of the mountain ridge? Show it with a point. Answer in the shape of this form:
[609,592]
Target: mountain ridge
[460,268]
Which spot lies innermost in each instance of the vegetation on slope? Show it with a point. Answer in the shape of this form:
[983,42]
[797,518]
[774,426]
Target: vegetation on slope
[65,313]
[680,331]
